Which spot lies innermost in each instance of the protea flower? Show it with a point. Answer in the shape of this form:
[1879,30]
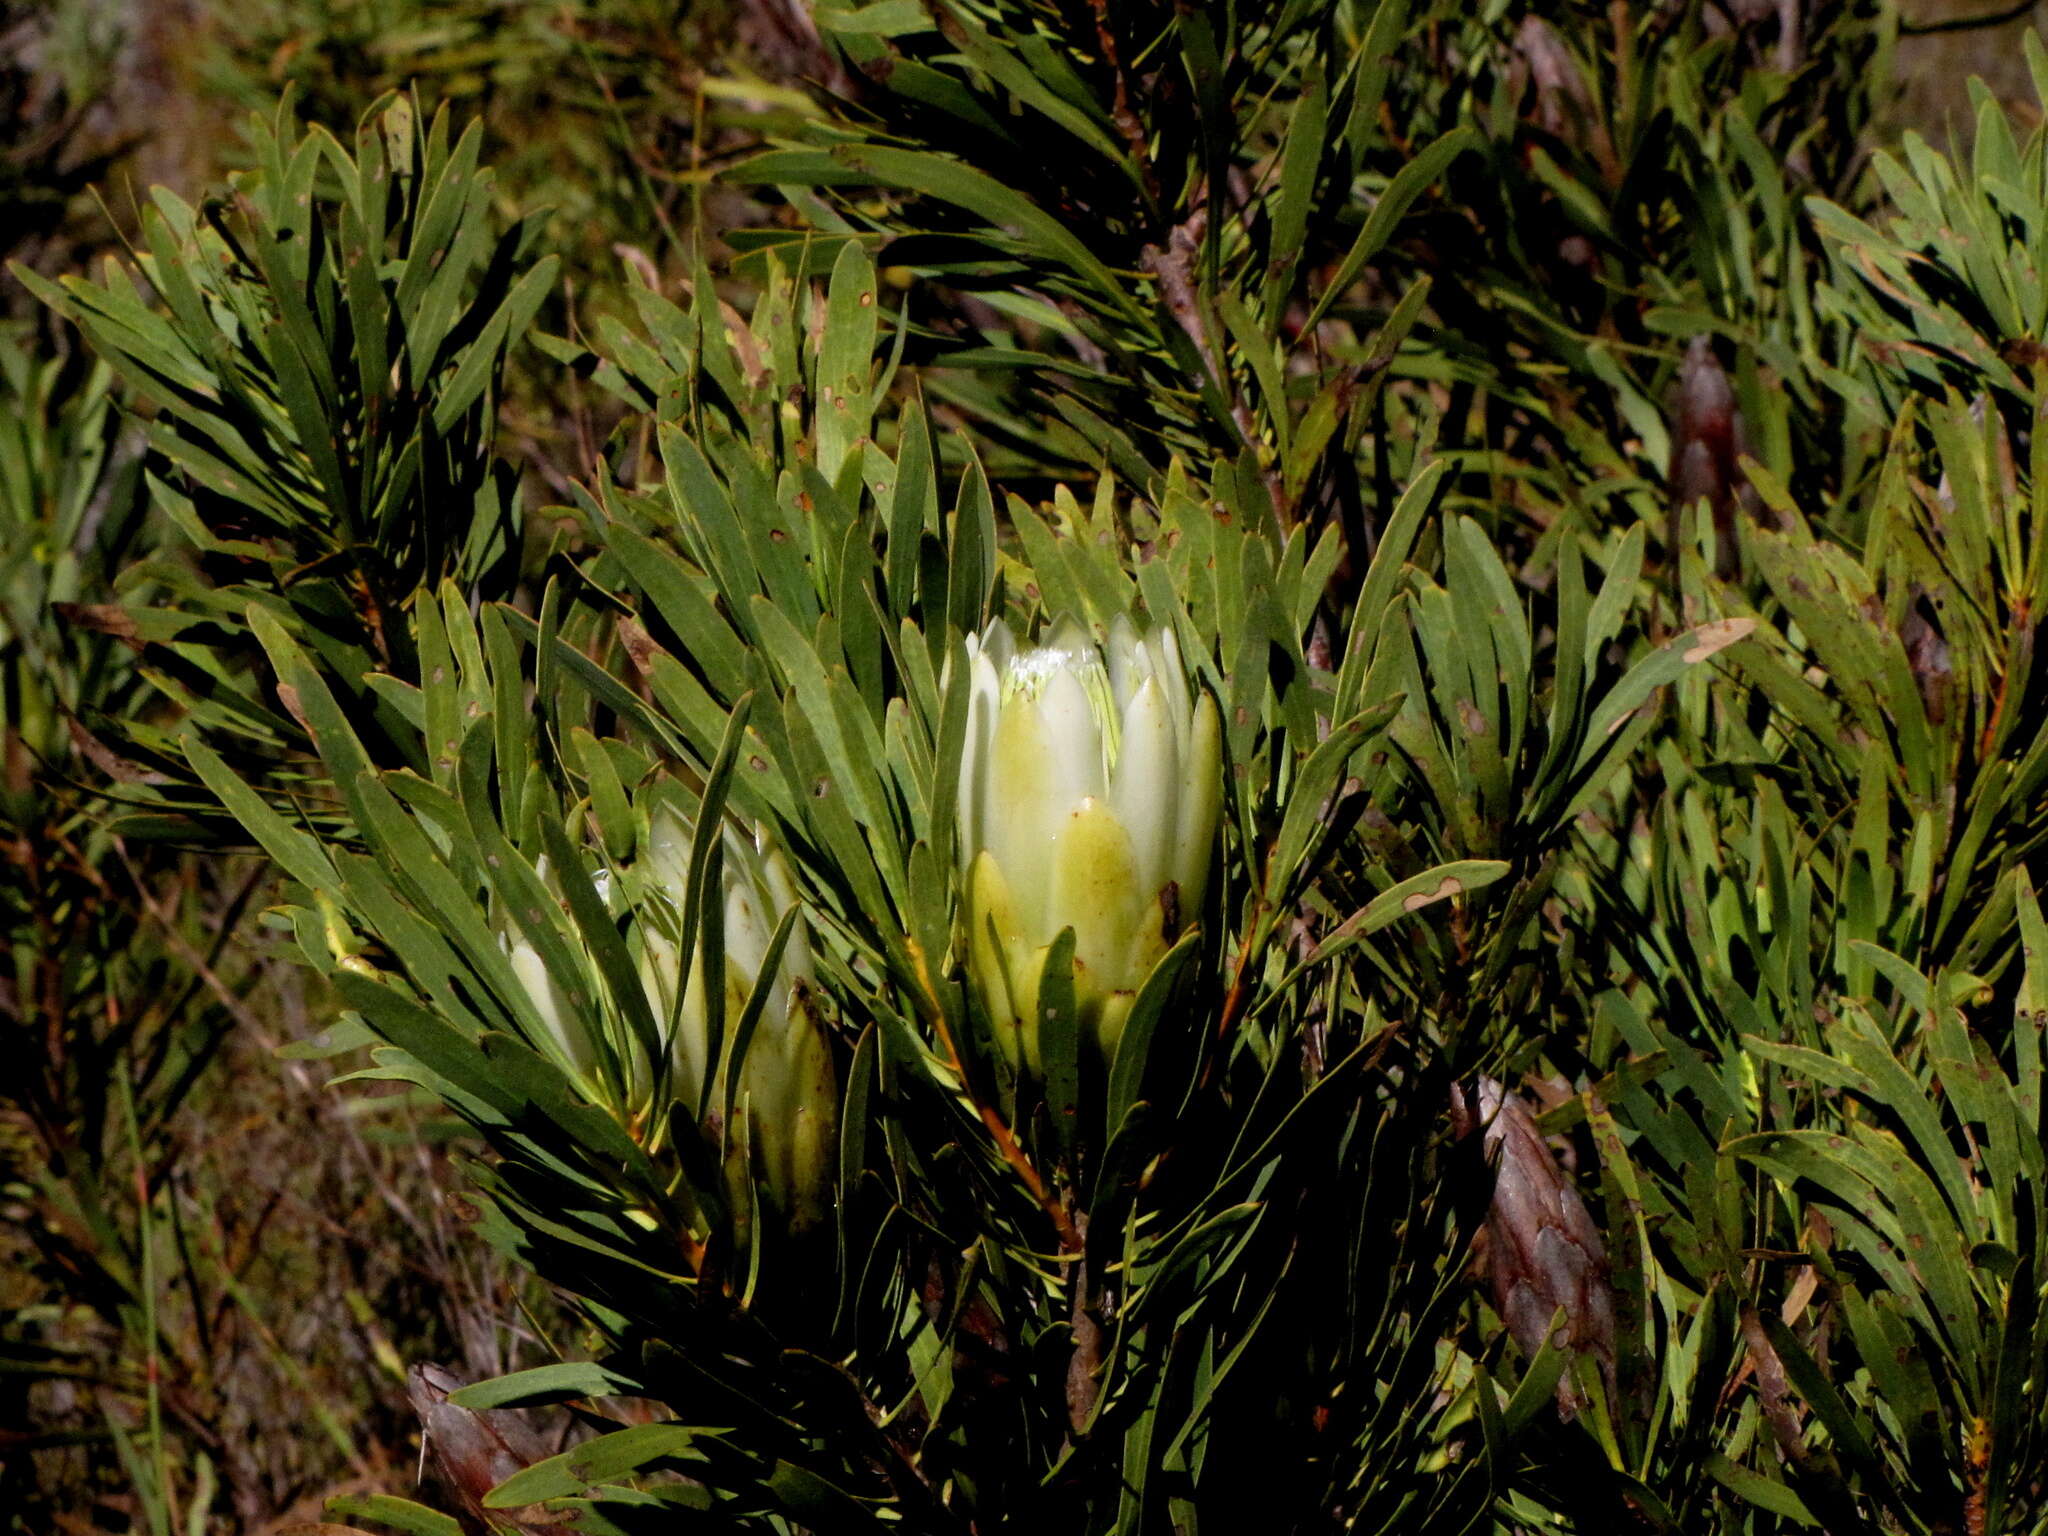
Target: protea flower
[1089,792]
[788,1090]
[787,1084]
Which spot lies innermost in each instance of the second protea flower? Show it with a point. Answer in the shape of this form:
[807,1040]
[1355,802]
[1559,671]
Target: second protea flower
[787,1080]
[1089,793]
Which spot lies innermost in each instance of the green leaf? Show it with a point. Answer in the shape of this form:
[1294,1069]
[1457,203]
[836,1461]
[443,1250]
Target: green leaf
[1134,1050]
[949,181]
[1060,1044]
[559,1383]
[1408,184]
[604,1459]
[1763,1492]
[399,1514]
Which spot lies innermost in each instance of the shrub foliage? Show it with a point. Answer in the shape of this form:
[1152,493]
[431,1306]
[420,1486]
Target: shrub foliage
[1600,1086]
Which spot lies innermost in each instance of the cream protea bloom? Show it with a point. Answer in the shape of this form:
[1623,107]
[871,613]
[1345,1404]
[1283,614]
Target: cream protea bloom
[1089,792]
[788,1089]
[787,1084]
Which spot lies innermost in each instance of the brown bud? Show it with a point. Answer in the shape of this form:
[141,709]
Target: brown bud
[1542,1250]
[1708,442]
[1561,104]
[1556,100]
[474,1450]
[1927,654]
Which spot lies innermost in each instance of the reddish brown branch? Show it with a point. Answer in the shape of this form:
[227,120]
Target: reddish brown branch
[998,1128]
[1121,111]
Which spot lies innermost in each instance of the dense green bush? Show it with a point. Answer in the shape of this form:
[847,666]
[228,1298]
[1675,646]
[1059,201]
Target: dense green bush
[1284,766]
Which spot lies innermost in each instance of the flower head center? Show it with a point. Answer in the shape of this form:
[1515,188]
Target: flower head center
[1031,672]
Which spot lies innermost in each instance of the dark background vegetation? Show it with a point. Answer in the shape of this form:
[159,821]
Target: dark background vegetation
[181,1202]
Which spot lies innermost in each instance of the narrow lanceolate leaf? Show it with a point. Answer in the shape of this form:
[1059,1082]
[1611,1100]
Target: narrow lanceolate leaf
[1408,184]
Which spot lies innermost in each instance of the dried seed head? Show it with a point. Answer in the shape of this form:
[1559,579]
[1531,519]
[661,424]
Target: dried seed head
[1543,1250]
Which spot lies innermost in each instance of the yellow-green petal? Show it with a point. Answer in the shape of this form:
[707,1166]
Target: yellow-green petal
[1095,890]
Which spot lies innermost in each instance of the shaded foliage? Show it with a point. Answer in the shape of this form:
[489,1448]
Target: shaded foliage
[1602,1087]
